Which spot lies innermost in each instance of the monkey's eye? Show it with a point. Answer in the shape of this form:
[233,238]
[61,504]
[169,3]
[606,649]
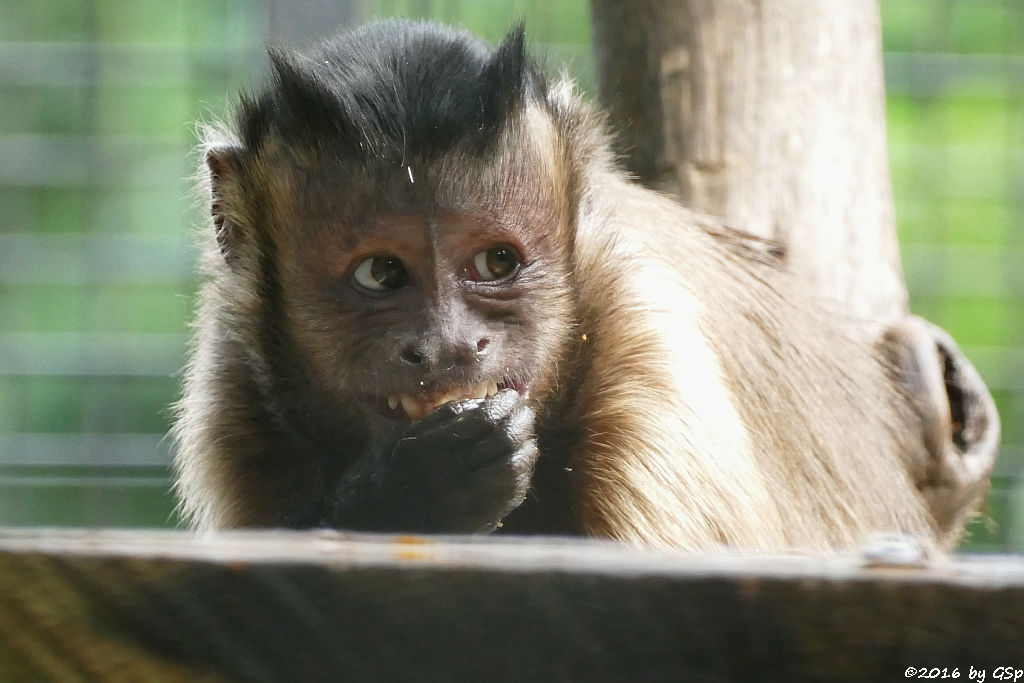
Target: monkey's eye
[494,263]
[381,273]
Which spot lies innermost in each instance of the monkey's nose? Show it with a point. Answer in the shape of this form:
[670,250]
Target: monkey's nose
[445,355]
[411,357]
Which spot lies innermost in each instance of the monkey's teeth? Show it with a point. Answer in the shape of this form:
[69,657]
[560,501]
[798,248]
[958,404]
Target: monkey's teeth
[445,398]
[416,407]
[411,406]
[479,391]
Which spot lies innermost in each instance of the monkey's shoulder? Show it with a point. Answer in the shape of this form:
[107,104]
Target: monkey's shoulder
[746,245]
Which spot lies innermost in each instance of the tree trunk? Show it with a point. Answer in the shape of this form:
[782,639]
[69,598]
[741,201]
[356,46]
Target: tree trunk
[769,114]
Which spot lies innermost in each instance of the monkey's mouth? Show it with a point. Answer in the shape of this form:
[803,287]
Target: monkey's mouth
[416,406]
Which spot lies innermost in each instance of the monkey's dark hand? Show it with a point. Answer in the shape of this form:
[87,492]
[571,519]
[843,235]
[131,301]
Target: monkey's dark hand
[460,469]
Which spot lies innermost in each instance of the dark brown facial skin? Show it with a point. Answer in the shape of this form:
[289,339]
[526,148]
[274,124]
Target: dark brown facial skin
[442,329]
[639,372]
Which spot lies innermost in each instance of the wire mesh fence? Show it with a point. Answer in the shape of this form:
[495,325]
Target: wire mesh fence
[97,101]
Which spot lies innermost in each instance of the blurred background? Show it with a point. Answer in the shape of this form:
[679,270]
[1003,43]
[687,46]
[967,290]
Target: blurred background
[98,101]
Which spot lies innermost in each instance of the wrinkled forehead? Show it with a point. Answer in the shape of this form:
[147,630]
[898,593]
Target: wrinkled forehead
[519,170]
[318,186]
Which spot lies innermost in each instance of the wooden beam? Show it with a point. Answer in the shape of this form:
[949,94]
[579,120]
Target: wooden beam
[289,606]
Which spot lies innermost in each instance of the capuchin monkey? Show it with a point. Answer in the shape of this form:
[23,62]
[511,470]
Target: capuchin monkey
[433,303]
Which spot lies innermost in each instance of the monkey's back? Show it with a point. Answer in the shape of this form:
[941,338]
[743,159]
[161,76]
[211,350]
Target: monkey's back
[780,419]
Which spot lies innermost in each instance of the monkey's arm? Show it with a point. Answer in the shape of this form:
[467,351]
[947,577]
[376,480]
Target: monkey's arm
[460,469]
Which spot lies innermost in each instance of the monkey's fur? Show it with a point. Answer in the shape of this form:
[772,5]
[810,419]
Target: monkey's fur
[669,382]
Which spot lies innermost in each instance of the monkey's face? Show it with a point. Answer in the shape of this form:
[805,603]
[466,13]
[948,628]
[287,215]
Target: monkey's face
[407,310]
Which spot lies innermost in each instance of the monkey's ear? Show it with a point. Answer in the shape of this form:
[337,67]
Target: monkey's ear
[959,423]
[223,163]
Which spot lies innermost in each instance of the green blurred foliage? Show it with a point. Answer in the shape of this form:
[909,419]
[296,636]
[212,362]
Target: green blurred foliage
[956,138]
